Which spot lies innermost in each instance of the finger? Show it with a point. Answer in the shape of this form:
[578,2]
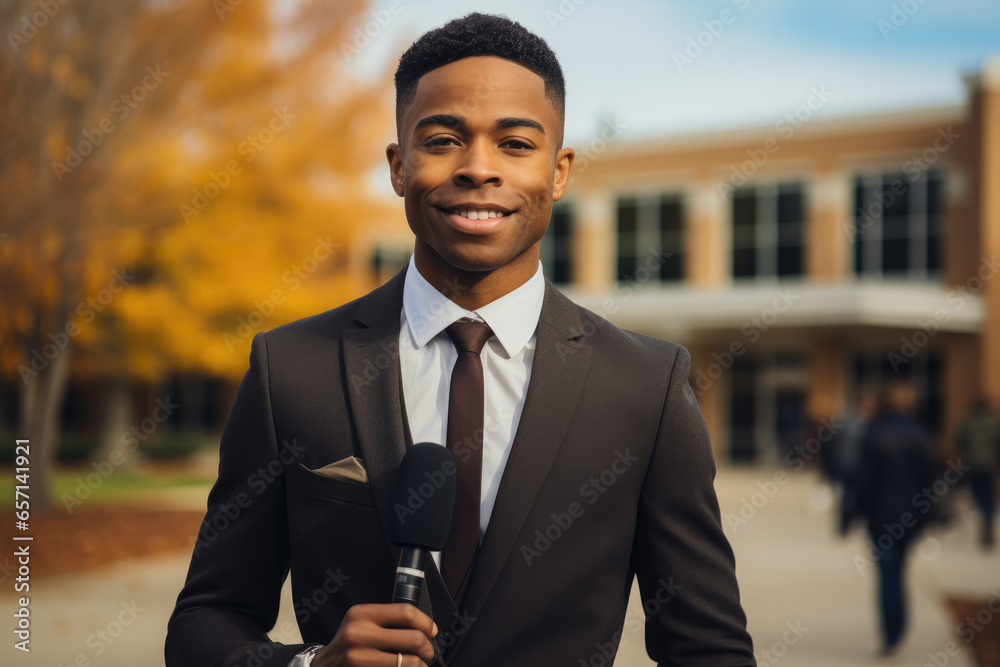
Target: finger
[407,642]
[398,615]
[369,657]
[365,635]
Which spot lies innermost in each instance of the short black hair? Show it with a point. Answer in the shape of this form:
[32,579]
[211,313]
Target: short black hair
[478,34]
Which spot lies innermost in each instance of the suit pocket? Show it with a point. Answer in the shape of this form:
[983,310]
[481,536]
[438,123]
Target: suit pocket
[334,489]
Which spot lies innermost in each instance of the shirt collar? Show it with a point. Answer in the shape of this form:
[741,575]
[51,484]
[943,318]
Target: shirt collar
[513,317]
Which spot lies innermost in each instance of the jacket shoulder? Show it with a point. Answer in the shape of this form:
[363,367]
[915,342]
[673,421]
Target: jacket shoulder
[643,348]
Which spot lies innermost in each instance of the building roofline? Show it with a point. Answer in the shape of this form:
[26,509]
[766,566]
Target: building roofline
[895,120]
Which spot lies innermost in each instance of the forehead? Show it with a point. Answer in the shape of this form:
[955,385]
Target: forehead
[481,87]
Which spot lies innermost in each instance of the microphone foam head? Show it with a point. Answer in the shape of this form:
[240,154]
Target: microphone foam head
[423,498]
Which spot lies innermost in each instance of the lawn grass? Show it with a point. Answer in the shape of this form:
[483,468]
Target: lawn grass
[119,487]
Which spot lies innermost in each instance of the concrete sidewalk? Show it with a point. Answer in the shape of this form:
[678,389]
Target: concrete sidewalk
[793,571]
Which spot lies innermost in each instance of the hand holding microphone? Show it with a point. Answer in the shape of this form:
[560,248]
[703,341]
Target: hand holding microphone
[399,634]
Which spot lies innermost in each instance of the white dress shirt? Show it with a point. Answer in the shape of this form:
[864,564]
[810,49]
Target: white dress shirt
[427,356]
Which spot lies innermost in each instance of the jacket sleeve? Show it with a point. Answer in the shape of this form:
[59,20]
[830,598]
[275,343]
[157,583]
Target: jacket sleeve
[231,597]
[684,563]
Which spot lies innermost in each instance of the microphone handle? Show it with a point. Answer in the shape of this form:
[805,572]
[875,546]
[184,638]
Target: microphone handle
[409,575]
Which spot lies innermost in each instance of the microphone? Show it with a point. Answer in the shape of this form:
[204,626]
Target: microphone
[423,500]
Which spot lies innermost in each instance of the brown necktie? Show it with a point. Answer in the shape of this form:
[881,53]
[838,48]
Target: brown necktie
[466,406]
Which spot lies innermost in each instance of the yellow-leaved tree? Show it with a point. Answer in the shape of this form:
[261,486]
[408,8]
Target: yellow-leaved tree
[175,177]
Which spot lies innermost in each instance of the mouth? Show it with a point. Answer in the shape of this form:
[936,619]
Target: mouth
[476,219]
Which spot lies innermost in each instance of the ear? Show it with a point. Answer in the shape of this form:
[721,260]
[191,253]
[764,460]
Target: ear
[394,154]
[564,165]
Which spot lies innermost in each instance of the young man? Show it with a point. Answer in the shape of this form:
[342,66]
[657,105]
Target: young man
[582,457]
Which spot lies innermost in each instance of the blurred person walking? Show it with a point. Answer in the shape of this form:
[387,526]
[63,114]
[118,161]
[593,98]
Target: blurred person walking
[894,466]
[844,452]
[978,444]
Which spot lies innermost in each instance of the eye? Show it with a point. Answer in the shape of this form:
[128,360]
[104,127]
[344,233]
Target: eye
[440,140]
[516,144]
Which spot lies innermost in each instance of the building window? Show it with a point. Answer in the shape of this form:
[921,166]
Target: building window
[898,224]
[557,248]
[767,395]
[651,238]
[768,238]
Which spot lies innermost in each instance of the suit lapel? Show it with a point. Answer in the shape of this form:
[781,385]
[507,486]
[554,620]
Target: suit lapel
[558,372]
[371,366]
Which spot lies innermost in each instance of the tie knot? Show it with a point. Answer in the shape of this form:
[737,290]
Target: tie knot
[469,335]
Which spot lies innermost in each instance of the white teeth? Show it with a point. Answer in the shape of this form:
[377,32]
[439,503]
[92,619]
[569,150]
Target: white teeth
[473,214]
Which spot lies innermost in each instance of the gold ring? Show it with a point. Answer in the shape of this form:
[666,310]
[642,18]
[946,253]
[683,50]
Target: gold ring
[399,660]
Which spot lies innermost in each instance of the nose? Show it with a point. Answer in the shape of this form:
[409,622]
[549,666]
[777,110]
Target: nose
[478,167]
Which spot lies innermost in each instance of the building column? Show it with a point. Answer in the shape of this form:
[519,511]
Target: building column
[826,388]
[829,229]
[707,237]
[711,400]
[961,362]
[986,100]
[594,243]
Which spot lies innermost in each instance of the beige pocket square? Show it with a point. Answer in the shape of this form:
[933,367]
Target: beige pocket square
[351,468]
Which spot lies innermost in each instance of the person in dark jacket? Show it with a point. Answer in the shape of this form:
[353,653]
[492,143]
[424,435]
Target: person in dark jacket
[978,443]
[895,469]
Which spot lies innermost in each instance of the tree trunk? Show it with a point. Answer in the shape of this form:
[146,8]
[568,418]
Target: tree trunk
[117,418]
[40,424]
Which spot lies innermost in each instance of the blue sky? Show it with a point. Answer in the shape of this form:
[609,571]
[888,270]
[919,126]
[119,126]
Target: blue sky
[626,58]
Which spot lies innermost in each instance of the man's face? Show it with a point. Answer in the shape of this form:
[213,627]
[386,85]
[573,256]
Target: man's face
[479,165]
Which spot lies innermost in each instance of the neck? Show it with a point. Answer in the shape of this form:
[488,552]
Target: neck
[474,289]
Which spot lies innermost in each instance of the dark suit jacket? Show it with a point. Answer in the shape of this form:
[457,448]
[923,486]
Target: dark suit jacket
[610,475]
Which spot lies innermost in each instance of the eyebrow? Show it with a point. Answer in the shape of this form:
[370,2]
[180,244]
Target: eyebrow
[453,122]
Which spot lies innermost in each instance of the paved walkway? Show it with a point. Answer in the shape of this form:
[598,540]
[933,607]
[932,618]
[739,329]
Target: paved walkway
[792,570]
